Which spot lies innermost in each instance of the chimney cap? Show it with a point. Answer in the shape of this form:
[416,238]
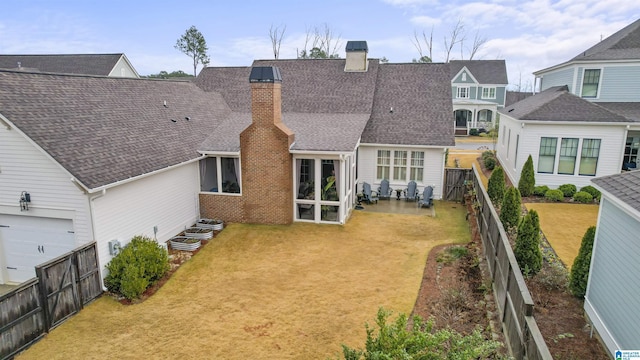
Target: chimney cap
[265,74]
[357,46]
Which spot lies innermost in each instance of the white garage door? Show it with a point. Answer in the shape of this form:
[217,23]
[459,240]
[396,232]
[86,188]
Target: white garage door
[27,241]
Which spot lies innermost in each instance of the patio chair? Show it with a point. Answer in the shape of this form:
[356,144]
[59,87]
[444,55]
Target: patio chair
[384,191]
[411,192]
[427,197]
[369,195]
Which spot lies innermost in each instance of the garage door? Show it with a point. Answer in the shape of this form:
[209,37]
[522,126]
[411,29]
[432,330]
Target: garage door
[27,241]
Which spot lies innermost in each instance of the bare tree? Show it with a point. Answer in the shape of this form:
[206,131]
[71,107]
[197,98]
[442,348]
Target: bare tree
[428,43]
[320,43]
[456,35]
[276,34]
[478,42]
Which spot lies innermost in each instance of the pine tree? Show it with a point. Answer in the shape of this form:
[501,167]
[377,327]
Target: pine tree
[580,269]
[527,178]
[527,249]
[510,210]
[496,186]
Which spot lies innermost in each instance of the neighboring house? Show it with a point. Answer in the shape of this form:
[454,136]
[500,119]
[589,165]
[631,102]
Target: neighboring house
[108,158]
[571,140]
[585,122]
[115,65]
[479,89]
[613,292]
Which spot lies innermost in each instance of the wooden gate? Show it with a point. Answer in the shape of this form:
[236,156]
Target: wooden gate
[454,183]
[67,283]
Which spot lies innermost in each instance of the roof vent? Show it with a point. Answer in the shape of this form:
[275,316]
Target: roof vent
[266,74]
[356,56]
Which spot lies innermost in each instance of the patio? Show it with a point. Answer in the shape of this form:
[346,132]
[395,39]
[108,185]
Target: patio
[393,206]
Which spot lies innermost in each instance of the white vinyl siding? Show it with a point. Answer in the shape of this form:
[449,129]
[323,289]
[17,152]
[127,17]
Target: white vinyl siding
[612,292]
[433,171]
[168,200]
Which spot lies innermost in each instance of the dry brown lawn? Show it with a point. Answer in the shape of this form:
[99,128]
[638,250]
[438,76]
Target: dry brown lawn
[564,226]
[268,292]
[466,158]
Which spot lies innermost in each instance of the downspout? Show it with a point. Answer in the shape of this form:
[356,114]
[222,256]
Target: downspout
[93,227]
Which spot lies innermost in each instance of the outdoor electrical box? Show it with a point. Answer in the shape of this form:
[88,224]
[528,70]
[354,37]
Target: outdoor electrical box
[114,247]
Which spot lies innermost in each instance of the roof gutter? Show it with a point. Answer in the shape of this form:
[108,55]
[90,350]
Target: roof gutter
[409,146]
[135,178]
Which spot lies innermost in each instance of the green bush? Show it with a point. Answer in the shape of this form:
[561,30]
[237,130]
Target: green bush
[568,189]
[510,211]
[140,264]
[540,190]
[554,195]
[399,340]
[488,154]
[496,185]
[527,248]
[527,178]
[473,132]
[553,276]
[595,193]
[580,269]
[490,163]
[583,197]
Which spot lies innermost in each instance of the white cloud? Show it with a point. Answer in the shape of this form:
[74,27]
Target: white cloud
[410,2]
[425,21]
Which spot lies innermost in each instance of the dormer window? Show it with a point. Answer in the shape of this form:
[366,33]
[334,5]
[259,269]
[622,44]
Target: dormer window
[590,83]
[463,92]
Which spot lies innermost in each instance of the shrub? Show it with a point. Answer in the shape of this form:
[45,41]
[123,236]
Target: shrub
[595,193]
[554,276]
[473,132]
[490,163]
[554,195]
[527,178]
[496,185]
[510,211]
[567,189]
[583,197]
[488,154]
[399,340]
[527,248]
[140,264]
[540,190]
[580,269]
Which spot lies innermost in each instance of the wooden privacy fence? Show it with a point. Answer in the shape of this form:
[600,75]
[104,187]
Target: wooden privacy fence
[61,288]
[454,179]
[513,299]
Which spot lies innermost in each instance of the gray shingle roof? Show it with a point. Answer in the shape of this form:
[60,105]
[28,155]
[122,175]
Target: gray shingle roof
[328,108]
[485,71]
[558,104]
[623,186]
[87,64]
[630,110]
[515,96]
[622,45]
[420,95]
[105,130]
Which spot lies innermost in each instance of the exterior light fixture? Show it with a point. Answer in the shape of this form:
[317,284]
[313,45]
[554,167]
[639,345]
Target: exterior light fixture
[25,199]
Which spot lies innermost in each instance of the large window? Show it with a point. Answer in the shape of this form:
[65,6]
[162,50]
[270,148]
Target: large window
[547,156]
[399,165]
[488,93]
[220,174]
[589,157]
[568,153]
[463,92]
[402,164]
[590,83]
[384,163]
[417,166]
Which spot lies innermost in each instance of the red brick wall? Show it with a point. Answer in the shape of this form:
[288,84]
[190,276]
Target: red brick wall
[267,178]
[224,207]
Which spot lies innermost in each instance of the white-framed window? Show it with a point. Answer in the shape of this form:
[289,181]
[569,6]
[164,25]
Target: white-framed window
[488,92]
[547,155]
[220,175]
[589,157]
[590,82]
[417,166]
[568,154]
[463,92]
[384,164]
[399,165]
[402,163]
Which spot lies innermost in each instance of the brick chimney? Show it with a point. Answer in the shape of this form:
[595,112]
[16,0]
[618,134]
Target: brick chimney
[356,56]
[267,164]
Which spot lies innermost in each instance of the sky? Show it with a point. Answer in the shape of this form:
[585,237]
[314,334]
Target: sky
[529,35]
